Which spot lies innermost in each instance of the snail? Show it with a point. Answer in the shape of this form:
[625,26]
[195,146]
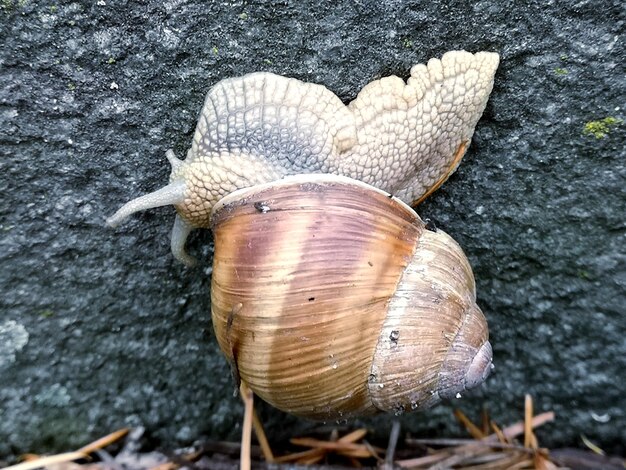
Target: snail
[330,296]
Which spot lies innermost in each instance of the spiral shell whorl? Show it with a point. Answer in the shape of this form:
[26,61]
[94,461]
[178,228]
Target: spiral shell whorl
[433,324]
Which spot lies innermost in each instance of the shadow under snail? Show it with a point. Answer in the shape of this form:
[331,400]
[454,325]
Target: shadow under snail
[329,295]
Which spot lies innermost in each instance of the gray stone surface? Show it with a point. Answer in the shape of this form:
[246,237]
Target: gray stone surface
[101,329]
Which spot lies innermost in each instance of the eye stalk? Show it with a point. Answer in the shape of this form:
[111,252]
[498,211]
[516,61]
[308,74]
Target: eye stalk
[172,194]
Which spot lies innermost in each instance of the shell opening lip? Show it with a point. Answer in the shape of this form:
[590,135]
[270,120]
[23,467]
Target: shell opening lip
[480,367]
[317,178]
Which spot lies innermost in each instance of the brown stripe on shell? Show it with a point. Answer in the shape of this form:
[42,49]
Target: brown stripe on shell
[313,265]
[431,329]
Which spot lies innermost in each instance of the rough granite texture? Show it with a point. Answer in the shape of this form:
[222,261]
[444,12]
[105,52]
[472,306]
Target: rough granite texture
[101,329]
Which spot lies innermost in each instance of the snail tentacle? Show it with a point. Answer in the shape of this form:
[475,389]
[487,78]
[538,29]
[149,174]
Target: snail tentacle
[180,232]
[175,162]
[172,194]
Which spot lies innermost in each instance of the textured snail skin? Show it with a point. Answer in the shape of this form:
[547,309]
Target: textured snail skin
[404,138]
[331,299]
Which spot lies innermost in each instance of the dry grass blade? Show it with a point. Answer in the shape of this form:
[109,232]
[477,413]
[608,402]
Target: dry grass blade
[310,461]
[345,446]
[104,441]
[353,436]
[542,462]
[423,462]
[83,452]
[178,461]
[462,442]
[339,446]
[529,438]
[522,465]
[166,466]
[472,429]
[484,422]
[462,454]
[498,432]
[261,437]
[362,453]
[246,431]
[305,455]
[498,461]
[447,458]
[373,451]
[317,453]
[496,451]
[516,429]
[391,446]
[594,448]
[48,460]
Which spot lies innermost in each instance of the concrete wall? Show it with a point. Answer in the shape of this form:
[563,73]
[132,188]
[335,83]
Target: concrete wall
[101,329]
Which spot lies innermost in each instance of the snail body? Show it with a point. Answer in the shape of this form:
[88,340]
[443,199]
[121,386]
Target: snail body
[403,138]
[331,299]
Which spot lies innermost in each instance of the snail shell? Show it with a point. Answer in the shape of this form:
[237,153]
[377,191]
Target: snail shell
[331,299]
